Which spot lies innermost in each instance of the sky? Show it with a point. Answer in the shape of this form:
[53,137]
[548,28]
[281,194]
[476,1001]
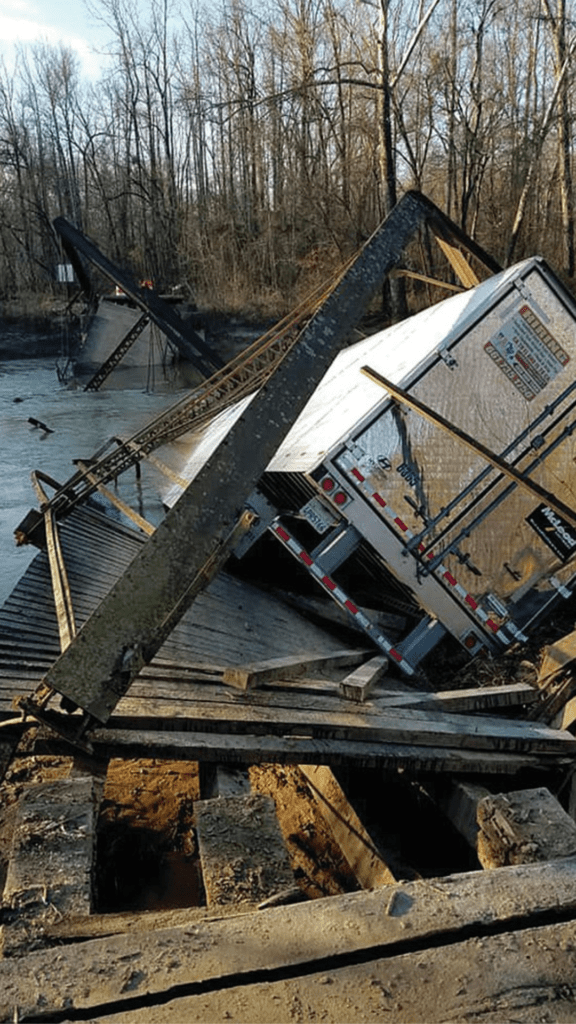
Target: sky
[52,21]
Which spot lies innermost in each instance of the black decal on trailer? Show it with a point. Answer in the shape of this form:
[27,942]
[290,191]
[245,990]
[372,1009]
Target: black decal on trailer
[555,531]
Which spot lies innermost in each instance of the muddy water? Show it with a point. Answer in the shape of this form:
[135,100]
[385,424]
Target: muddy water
[80,422]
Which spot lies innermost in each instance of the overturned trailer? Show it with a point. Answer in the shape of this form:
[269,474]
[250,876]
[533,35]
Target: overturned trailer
[473,537]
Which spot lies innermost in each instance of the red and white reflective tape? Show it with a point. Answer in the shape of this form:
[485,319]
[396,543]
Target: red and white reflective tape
[440,570]
[338,595]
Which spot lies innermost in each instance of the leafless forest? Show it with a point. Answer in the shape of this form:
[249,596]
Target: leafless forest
[245,150]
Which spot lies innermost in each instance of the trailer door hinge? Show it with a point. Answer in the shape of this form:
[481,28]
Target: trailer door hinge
[355,450]
[447,358]
[528,296]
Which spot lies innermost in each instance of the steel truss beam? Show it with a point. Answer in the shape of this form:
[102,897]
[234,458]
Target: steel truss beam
[188,342]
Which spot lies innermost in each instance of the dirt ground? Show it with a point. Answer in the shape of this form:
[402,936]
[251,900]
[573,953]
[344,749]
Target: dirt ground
[147,856]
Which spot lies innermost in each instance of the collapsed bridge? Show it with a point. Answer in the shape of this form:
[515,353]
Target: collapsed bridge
[435,512]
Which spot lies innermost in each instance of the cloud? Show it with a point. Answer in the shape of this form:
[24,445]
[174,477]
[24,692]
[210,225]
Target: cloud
[25,30]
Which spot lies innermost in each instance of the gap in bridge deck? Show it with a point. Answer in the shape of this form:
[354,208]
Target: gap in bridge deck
[147,857]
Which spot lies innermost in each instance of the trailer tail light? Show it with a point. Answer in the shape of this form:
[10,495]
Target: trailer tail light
[471,641]
[334,491]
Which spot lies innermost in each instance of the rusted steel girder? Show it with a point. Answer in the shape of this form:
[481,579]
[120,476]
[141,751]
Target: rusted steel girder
[130,625]
[189,343]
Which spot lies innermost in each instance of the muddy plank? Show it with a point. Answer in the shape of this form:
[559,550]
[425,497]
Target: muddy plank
[351,834]
[246,677]
[522,827]
[517,827]
[52,857]
[242,851]
[120,968]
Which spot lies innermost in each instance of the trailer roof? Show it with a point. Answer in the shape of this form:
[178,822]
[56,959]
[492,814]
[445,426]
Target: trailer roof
[345,397]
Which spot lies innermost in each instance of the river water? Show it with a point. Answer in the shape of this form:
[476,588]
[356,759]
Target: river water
[80,423]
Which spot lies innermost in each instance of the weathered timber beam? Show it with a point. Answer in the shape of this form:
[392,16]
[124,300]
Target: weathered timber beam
[126,631]
[188,342]
[519,827]
[350,721]
[521,976]
[523,827]
[480,698]
[237,748]
[347,828]
[52,858]
[120,969]
[358,685]
[248,677]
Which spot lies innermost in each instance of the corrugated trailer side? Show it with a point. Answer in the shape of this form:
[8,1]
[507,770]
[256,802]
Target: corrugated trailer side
[369,478]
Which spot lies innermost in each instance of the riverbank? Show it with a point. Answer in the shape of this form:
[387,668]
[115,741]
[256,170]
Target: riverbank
[33,336]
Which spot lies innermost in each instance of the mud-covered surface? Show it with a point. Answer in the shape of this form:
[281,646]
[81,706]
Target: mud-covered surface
[317,861]
[147,857]
[24,771]
[147,851]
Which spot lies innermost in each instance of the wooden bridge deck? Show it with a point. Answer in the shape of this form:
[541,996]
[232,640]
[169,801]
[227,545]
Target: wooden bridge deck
[233,623]
[230,623]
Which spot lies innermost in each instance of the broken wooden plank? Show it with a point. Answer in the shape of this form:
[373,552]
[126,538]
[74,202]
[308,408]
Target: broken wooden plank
[360,683]
[242,852]
[557,658]
[523,827]
[486,698]
[247,677]
[121,968]
[518,827]
[348,830]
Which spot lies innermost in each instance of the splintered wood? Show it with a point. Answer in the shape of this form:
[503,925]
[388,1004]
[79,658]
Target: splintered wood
[523,827]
